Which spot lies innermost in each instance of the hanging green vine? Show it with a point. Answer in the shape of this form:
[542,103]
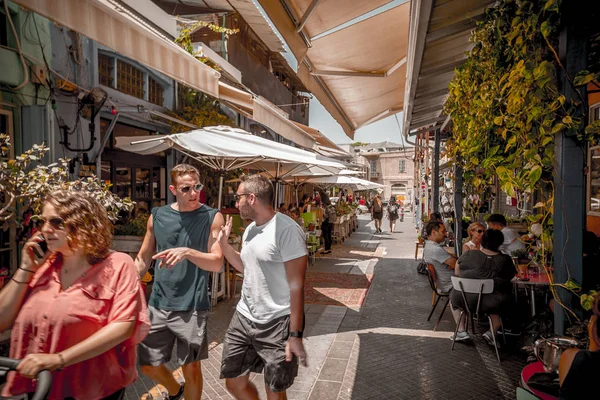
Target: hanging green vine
[506,109]
[187,29]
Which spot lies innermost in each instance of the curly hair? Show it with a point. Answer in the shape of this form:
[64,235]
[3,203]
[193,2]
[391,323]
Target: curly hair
[86,222]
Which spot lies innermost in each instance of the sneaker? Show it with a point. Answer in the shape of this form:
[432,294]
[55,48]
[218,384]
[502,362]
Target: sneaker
[326,252]
[490,340]
[461,336]
[179,394]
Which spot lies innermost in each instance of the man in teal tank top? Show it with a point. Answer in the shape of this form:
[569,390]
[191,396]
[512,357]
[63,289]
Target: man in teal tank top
[182,238]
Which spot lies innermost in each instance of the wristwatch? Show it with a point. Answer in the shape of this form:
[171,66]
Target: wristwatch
[297,334]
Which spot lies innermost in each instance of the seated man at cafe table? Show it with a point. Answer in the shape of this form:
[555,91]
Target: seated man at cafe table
[512,241]
[444,264]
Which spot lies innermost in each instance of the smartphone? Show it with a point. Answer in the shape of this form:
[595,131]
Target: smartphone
[44,246]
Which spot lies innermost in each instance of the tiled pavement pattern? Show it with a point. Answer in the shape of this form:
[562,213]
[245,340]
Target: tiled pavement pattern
[386,349]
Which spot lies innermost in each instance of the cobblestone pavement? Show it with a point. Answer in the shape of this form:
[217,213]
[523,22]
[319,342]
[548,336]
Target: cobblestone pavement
[386,349]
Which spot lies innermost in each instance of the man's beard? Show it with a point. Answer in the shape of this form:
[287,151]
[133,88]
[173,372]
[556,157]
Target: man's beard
[246,212]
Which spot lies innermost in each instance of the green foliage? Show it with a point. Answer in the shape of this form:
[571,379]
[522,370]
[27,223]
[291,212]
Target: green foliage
[506,109]
[25,186]
[133,226]
[198,109]
[587,299]
[358,144]
[185,34]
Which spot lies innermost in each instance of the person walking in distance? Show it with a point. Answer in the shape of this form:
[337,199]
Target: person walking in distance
[266,330]
[182,238]
[392,212]
[329,217]
[377,213]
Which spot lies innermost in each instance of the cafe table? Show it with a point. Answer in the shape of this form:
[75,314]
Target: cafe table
[540,279]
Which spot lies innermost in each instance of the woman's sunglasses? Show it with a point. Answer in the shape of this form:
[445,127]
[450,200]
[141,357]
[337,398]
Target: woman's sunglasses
[55,223]
[478,230]
[197,187]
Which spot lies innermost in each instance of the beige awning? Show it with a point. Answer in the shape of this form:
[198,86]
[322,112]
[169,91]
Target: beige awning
[323,143]
[126,34]
[439,42]
[357,72]
[265,113]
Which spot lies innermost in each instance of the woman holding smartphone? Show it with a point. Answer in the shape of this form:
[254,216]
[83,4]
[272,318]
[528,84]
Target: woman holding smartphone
[78,310]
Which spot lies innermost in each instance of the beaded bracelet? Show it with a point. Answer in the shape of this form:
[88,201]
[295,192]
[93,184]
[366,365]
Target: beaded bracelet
[27,270]
[13,279]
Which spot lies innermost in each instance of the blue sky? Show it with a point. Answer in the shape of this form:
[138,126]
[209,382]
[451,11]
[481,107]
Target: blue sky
[319,118]
[380,131]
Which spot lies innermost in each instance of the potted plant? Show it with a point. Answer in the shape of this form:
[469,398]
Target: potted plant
[24,187]
[129,234]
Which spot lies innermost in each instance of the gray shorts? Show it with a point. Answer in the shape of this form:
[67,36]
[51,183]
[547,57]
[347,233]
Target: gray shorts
[251,347]
[187,328]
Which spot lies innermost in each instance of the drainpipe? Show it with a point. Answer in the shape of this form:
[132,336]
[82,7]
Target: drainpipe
[224,42]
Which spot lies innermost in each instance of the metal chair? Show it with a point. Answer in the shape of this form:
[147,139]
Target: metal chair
[436,295]
[478,287]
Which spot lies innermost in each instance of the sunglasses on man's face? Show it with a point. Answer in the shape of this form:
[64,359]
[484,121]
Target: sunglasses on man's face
[56,223]
[197,187]
[237,197]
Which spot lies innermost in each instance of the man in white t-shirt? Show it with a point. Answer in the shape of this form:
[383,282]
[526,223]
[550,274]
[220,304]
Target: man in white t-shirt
[265,333]
[512,241]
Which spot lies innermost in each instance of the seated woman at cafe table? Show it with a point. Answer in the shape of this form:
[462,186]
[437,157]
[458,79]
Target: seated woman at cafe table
[578,369]
[488,263]
[475,231]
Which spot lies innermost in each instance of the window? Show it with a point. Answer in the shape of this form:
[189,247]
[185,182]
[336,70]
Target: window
[374,166]
[402,166]
[130,80]
[155,92]
[106,68]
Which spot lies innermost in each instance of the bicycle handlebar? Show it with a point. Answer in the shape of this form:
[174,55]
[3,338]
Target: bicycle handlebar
[44,378]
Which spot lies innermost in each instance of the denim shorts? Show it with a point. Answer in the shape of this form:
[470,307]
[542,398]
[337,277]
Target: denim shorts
[251,347]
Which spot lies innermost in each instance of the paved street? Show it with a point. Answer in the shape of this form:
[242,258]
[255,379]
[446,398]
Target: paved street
[386,349]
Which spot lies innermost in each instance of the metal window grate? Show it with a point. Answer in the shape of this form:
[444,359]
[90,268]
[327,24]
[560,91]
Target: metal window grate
[130,80]
[155,92]
[105,70]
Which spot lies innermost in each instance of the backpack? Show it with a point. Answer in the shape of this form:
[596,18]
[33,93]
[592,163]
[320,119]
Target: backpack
[393,210]
[422,267]
[377,207]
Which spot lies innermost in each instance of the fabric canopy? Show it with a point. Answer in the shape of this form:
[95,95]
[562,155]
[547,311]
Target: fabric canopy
[125,33]
[267,114]
[344,181]
[357,71]
[225,148]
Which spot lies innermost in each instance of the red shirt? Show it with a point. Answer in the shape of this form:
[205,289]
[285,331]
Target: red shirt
[52,320]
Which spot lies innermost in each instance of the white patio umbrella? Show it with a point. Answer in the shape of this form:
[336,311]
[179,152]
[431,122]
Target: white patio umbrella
[344,181]
[225,148]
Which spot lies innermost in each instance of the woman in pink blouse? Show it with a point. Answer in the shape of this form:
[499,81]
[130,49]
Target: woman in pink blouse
[79,310]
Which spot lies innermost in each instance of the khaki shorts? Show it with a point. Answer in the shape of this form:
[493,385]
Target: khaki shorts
[251,347]
[186,328]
